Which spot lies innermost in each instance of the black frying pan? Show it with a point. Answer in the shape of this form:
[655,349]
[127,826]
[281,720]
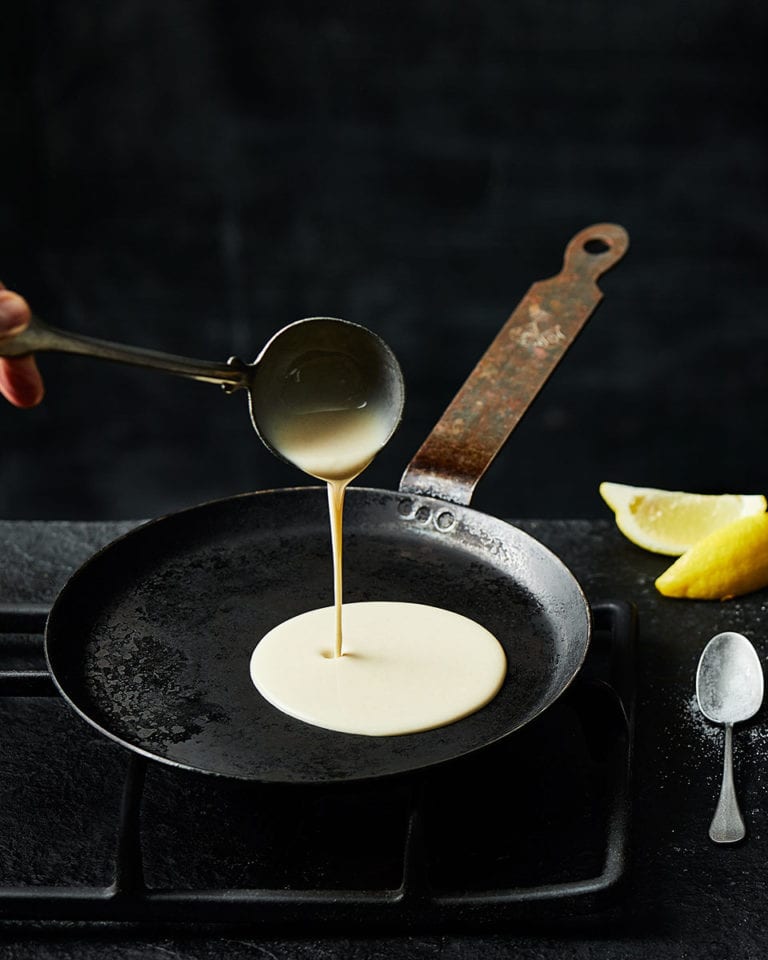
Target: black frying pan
[150,640]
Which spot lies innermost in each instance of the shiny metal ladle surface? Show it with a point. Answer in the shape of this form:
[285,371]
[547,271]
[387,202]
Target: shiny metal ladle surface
[729,689]
[376,369]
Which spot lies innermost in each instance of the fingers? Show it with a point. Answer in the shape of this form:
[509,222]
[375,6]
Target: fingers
[20,380]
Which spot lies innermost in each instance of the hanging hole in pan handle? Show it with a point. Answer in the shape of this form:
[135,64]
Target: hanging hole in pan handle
[596,245]
[595,249]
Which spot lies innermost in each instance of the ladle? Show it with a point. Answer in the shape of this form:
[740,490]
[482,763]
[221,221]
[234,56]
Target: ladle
[320,364]
[729,688]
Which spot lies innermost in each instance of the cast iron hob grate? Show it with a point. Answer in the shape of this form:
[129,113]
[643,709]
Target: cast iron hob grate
[537,824]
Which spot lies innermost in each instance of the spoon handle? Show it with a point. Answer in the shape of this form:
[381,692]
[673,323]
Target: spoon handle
[727,824]
[39,336]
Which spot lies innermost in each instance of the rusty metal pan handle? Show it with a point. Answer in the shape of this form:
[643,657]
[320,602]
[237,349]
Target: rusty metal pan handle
[497,393]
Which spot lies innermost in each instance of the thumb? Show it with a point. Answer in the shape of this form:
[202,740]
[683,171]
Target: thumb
[14,312]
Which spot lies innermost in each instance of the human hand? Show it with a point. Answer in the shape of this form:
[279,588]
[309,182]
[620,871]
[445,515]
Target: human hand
[20,380]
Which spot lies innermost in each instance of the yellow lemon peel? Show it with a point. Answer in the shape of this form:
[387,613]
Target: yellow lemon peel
[670,522]
[728,563]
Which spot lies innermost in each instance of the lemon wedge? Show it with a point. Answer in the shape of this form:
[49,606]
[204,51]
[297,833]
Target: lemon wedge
[671,522]
[728,563]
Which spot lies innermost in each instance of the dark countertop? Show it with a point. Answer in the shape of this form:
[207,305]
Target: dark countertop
[685,896]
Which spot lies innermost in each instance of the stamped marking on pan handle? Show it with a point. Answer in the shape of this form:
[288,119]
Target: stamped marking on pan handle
[478,421]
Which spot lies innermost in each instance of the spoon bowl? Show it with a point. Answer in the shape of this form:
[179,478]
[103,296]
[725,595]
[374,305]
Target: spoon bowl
[729,689]
[729,679]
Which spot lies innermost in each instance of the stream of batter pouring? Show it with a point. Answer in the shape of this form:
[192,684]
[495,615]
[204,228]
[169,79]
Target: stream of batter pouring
[336,491]
[325,423]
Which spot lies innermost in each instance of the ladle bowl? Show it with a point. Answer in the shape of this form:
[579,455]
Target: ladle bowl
[321,370]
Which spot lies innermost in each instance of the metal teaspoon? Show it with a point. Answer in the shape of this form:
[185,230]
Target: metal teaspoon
[729,689]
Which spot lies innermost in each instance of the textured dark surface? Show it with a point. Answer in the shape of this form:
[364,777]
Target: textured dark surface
[685,897]
[192,175]
[447,850]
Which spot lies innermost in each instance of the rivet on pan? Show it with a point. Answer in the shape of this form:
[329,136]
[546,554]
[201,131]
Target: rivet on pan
[405,508]
[445,520]
[423,514]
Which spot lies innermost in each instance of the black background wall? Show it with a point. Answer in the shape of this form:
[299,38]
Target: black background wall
[192,175]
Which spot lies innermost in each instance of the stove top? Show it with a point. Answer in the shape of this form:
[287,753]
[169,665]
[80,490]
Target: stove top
[537,824]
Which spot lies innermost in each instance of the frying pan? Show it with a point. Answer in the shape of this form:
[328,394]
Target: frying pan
[150,640]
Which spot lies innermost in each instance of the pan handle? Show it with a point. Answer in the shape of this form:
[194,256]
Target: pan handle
[497,393]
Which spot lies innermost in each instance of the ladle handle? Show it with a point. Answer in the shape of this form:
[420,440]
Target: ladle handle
[39,337]
[515,367]
[727,824]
